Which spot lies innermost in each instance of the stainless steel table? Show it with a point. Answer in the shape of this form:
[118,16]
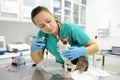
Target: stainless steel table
[28,73]
[104,53]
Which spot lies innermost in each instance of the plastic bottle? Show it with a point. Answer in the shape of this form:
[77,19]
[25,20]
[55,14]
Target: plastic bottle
[21,60]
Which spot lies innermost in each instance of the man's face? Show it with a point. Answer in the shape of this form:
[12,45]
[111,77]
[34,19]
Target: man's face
[46,22]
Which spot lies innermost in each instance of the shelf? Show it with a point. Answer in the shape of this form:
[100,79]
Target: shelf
[9,55]
[103,32]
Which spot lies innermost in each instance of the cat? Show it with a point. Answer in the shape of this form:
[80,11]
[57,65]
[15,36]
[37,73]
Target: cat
[80,63]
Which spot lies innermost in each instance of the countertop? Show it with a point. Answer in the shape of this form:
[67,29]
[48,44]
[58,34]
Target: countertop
[27,73]
[48,69]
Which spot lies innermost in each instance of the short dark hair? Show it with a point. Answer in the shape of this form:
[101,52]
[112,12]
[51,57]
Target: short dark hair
[37,10]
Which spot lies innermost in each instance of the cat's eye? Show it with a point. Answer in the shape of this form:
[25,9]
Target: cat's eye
[64,42]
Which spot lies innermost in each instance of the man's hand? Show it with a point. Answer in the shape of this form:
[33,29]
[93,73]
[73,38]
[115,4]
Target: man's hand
[74,52]
[37,45]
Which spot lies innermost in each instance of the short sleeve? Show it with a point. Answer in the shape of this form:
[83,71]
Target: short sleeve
[79,36]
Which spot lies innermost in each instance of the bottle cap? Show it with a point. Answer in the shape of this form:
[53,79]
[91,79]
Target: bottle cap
[21,53]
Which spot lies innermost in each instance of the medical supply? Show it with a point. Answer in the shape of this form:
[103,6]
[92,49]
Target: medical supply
[15,47]
[18,60]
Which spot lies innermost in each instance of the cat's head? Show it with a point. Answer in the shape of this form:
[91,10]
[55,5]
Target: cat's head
[63,43]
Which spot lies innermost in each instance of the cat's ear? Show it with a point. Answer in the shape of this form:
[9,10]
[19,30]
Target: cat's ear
[67,37]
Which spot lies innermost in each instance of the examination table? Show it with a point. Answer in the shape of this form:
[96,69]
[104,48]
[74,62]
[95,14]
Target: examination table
[47,70]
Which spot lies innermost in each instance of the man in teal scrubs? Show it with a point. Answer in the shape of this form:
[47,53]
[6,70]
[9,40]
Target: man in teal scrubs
[65,29]
[81,43]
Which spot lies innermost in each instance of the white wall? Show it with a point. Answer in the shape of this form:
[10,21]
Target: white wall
[91,15]
[17,31]
[99,14]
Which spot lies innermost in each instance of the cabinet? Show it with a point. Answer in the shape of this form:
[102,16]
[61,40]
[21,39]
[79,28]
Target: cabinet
[67,11]
[26,8]
[57,9]
[83,13]
[76,13]
[17,10]
[10,10]
[64,10]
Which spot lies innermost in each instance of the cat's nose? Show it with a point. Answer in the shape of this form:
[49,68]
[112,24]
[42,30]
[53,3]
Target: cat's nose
[65,42]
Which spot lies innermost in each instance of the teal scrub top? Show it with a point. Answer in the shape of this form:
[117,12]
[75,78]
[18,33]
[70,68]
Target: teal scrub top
[77,37]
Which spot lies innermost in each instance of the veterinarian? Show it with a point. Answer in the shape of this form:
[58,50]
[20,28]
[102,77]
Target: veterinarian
[50,29]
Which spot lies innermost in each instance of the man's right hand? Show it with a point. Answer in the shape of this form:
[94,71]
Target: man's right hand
[37,45]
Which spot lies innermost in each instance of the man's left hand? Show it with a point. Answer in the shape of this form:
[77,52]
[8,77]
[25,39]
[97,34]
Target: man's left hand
[74,52]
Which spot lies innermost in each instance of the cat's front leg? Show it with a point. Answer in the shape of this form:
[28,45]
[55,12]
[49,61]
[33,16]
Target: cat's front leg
[65,69]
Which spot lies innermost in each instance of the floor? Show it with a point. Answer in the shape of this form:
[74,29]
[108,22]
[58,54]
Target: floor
[112,65]
[114,71]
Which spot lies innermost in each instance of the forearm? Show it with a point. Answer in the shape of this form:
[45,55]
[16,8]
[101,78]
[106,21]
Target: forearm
[37,56]
[92,49]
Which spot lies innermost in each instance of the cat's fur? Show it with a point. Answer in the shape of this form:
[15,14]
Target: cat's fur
[80,63]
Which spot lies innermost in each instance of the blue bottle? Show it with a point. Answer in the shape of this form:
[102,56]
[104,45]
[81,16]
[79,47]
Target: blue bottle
[21,61]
